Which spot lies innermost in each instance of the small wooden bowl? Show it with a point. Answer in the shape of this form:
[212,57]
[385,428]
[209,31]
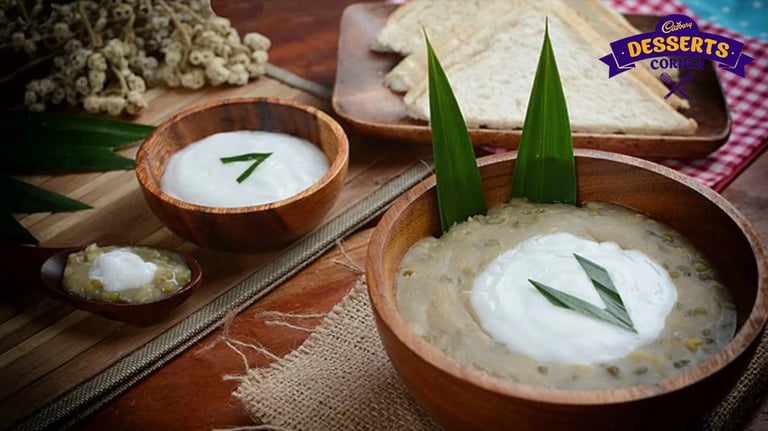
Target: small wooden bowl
[252,228]
[43,267]
[143,314]
[460,398]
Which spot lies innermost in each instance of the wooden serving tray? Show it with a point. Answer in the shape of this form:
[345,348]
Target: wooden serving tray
[361,99]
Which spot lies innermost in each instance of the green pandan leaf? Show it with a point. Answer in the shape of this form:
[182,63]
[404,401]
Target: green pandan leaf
[256,158]
[30,129]
[51,144]
[12,230]
[58,143]
[614,304]
[570,302]
[459,188]
[545,169]
[21,197]
[56,159]
[614,312]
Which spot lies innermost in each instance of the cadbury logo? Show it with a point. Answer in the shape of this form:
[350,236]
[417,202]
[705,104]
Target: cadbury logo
[670,26]
[676,36]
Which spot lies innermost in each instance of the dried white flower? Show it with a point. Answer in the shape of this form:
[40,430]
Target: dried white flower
[255,69]
[97,79]
[114,105]
[200,56]
[82,86]
[257,41]
[136,83]
[106,54]
[93,103]
[194,79]
[260,57]
[96,61]
[135,102]
[238,75]
[30,97]
[216,72]
[61,31]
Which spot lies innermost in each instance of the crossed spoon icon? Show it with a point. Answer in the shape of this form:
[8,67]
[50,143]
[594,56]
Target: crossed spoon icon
[675,87]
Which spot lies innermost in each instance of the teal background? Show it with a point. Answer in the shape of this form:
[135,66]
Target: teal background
[749,17]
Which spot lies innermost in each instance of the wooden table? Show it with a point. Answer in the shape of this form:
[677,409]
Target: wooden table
[189,393]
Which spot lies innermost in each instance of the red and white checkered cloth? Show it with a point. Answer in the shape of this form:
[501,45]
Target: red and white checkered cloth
[747,101]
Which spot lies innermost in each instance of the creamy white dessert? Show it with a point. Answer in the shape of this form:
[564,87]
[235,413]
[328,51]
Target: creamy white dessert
[121,269]
[526,322]
[196,173]
[125,274]
[468,293]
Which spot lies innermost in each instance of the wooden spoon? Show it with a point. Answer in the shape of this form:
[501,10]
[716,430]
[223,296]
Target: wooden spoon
[44,268]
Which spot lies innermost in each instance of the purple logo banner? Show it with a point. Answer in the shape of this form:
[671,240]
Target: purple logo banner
[676,36]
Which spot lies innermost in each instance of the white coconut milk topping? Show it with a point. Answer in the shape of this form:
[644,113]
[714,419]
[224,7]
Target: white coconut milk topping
[196,174]
[514,313]
[121,269]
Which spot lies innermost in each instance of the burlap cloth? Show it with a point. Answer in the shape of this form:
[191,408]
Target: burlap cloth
[341,379]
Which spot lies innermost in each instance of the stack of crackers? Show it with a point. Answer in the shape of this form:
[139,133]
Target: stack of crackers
[490,49]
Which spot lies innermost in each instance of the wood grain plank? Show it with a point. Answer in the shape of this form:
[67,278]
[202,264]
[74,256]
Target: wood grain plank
[37,317]
[83,330]
[17,297]
[42,337]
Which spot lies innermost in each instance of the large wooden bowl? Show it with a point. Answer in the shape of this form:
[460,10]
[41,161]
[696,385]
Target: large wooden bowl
[252,228]
[460,398]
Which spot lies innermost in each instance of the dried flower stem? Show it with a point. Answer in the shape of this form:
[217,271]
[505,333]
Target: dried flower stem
[179,26]
[184,34]
[121,78]
[128,34]
[8,44]
[195,15]
[92,35]
[188,10]
[24,13]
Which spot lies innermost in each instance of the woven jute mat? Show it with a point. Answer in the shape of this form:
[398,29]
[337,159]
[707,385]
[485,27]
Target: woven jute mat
[341,379]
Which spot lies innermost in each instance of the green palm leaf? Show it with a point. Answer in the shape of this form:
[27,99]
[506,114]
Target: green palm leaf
[13,230]
[600,278]
[570,302]
[614,312]
[33,129]
[61,158]
[21,197]
[545,170]
[51,144]
[459,188]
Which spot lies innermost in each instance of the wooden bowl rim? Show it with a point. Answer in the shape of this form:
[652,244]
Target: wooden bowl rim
[337,166]
[385,309]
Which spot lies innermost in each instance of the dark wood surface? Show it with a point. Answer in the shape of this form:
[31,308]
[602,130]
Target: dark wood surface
[189,393]
[304,33]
